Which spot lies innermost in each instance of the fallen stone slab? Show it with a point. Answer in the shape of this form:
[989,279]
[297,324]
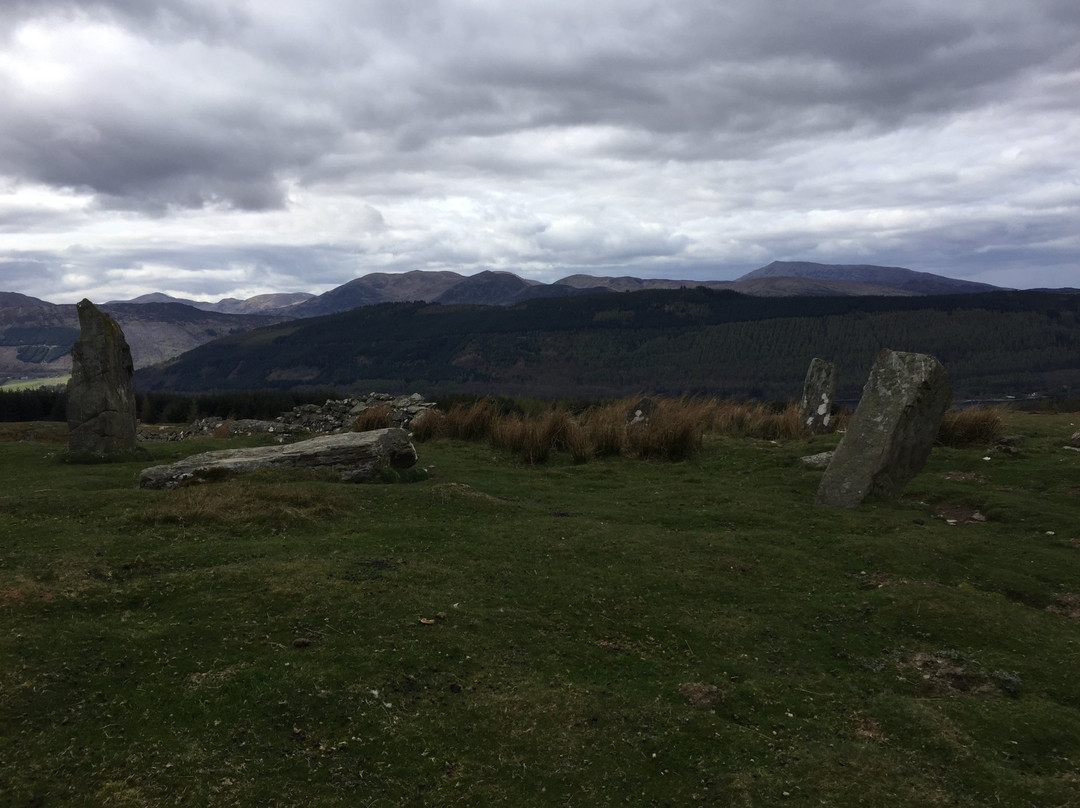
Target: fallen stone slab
[892,431]
[359,456]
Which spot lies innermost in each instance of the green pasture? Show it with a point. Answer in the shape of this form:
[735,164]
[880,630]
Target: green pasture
[614,633]
[13,385]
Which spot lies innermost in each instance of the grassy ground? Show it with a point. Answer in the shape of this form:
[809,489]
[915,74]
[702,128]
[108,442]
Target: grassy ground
[617,632]
[34,384]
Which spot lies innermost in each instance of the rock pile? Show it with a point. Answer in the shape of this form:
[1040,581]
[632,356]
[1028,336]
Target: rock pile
[335,415]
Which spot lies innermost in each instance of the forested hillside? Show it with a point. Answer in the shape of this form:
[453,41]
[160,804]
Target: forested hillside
[661,341]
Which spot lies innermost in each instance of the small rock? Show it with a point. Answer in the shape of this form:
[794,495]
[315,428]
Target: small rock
[819,460]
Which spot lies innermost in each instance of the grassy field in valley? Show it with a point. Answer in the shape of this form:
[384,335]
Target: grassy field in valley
[619,632]
[34,384]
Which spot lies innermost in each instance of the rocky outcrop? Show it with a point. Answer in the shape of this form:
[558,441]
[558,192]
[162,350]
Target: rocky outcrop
[819,393]
[100,398]
[358,456]
[892,431]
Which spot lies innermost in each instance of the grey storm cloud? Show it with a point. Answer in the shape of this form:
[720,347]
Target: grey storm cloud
[468,134]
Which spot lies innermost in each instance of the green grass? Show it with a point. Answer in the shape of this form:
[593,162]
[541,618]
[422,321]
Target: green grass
[619,632]
[34,384]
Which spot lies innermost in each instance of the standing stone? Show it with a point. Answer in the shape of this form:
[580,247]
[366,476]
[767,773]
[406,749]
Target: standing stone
[819,392]
[892,431]
[100,398]
[640,412]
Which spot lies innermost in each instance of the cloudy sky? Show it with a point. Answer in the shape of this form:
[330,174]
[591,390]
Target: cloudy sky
[212,148]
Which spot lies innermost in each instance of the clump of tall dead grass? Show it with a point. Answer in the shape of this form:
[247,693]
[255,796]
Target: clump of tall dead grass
[673,430]
[471,421]
[976,426]
[429,425]
[757,419]
[521,435]
[374,417]
[604,430]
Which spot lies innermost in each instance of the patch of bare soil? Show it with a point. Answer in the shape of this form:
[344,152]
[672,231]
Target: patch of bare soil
[449,491]
[868,729]
[963,476]
[701,696]
[957,514]
[1066,604]
[23,592]
[951,673]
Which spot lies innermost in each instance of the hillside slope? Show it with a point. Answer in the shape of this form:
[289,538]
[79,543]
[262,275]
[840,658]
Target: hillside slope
[36,336]
[895,278]
[661,341]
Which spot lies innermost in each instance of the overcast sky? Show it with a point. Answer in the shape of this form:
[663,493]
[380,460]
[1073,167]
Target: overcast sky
[212,148]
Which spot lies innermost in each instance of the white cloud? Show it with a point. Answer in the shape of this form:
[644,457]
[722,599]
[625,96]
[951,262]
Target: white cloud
[222,147]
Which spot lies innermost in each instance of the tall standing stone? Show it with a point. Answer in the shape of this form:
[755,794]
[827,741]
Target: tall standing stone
[819,392]
[100,398]
[892,431]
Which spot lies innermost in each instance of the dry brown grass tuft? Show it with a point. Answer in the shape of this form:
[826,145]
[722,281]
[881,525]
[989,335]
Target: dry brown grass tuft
[471,421]
[605,430]
[757,419]
[429,425]
[523,436]
[785,425]
[575,440]
[376,417]
[977,426]
[672,432]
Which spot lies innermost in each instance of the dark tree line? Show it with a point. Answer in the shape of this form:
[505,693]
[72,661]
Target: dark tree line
[50,404]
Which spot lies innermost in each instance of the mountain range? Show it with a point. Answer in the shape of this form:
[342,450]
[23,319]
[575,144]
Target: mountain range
[36,336]
[497,288]
[694,341]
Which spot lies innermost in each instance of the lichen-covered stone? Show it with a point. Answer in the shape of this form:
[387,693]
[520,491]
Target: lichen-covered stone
[100,398]
[892,431]
[819,393]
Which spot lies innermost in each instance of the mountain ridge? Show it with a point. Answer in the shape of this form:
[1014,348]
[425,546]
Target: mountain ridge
[688,341]
[503,288]
[35,336]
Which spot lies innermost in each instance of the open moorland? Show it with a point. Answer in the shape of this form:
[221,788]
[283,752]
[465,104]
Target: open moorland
[621,631]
